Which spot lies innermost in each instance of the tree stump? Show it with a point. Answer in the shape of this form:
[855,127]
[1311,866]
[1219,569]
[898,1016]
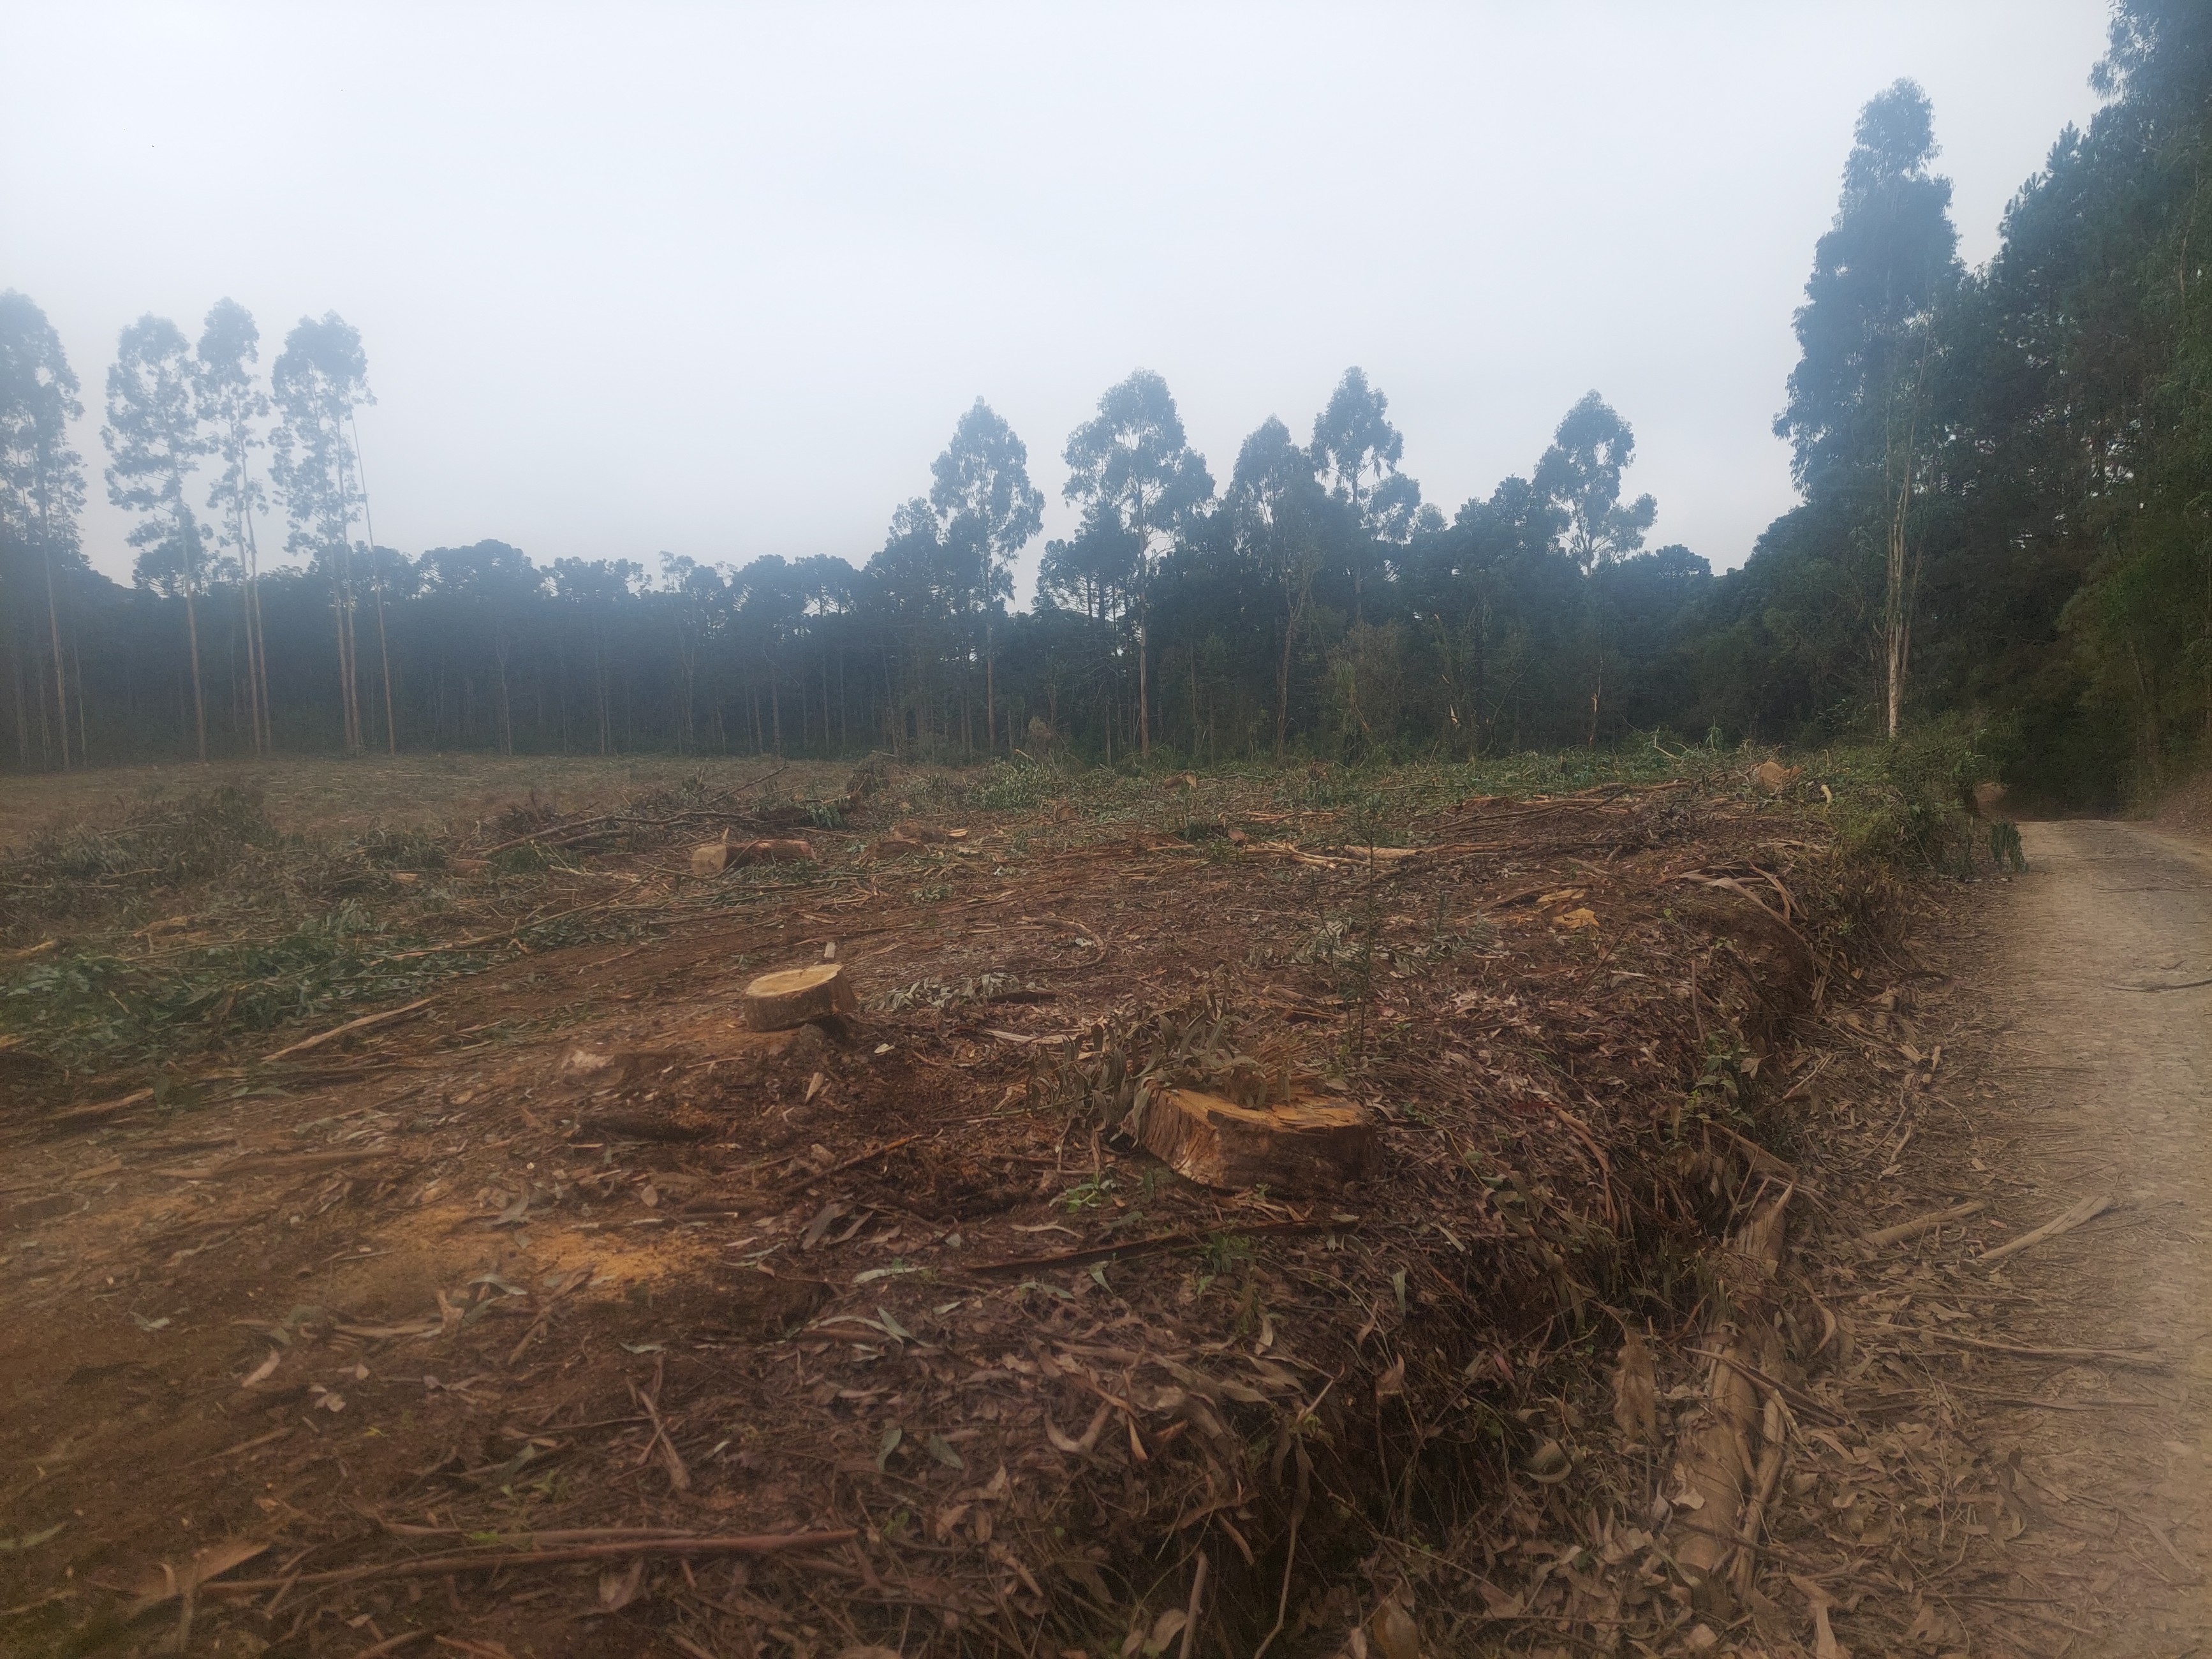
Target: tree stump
[1299,1146]
[712,857]
[777,1002]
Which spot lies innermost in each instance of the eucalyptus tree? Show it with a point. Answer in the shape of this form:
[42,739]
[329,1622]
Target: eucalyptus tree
[980,488]
[41,477]
[1356,451]
[1580,476]
[1133,461]
[1276,509]
[318,380]
[1856,418]
[154,442]
[231,406]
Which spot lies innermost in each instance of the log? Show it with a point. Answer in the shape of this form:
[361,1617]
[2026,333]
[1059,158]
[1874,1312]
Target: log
[1299,1146]
[712,858]
[777,1002]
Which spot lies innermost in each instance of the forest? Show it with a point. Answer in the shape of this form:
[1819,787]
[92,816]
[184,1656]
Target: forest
[2004,524]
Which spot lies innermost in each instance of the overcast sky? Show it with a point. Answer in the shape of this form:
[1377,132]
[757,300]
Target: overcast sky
[718,280]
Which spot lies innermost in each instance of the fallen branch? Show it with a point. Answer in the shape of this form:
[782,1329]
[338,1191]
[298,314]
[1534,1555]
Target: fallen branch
[2123,1356]
[552,830]
[87,1117]
[364,1022]
[1919,1225]
[2087,1209]
[853,1163]
[436,1566]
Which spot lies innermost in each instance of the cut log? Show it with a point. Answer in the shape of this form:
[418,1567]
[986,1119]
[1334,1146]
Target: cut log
[1298,1147]
[776,1002]
[712,858]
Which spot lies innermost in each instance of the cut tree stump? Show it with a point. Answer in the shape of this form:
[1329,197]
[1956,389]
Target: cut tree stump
[1300,1147]
[712,857]
[776,1002]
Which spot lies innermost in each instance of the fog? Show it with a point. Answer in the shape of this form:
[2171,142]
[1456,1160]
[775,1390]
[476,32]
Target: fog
[719,281]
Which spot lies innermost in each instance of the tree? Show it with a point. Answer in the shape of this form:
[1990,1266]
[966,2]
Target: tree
[1133,461]
[491,582]
[231,403]
[1580,475]
[41,477]
[320,378]
[1868,332]
[1274,509]
[980,488]
[1356,451]
[153,438]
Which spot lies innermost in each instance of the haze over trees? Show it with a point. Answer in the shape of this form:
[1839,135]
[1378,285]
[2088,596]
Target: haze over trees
[2006,517]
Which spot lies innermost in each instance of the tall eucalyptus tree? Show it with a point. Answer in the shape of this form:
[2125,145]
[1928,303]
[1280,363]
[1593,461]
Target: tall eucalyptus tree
[1132,461]
[231,405]
[1857,416]
[980,488]
[41,477]
[319,380]
[154,441]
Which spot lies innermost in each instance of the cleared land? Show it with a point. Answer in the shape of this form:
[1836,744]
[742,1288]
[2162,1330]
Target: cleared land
[408,1220]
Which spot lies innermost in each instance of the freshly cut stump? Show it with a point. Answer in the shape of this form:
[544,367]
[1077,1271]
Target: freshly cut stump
[712,857]
[776,1002]
[1300,1147]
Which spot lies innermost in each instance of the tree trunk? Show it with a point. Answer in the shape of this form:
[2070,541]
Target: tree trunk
[1896,621]
[192,644]
[384,649]
[1143,710]
[54,631]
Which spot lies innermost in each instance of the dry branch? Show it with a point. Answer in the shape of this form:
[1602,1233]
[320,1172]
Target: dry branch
[364,1022]
[2087,1209]
[1919,1225]
[436,1566]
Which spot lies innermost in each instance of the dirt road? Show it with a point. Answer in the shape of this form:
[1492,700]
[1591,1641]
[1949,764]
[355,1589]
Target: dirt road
[2096,1037]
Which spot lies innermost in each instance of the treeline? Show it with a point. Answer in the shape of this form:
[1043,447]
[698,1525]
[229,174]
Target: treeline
[2006,517]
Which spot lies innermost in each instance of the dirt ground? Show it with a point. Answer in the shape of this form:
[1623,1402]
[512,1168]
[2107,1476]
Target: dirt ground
[561,1313]
[2083,1007]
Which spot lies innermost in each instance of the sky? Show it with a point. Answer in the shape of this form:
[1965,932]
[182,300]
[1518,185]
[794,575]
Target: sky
[718,280]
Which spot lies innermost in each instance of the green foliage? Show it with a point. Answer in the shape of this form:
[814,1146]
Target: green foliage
[1908,805]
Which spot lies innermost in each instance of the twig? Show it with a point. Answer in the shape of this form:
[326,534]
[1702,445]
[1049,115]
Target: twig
[1198,1589]
[873,1153]
[436,1566]
[678,1476]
